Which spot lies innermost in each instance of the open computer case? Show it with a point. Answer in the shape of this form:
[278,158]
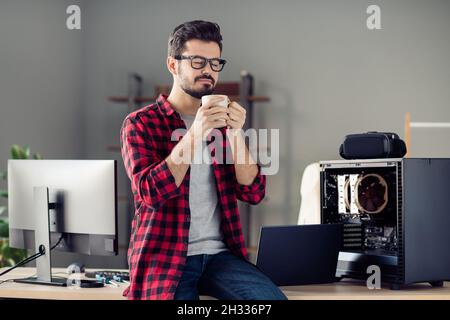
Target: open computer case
[395,214]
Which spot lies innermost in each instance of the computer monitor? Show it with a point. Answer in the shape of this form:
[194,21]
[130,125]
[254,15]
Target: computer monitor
[71,200]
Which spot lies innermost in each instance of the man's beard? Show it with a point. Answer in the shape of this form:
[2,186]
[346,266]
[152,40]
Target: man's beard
[197,93]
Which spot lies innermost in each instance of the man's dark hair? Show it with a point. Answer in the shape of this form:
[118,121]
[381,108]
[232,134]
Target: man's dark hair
[197,29]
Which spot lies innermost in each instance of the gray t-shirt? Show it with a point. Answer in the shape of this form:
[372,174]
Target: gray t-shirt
[205,235]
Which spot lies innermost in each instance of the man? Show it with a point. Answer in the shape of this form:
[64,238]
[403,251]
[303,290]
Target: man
[186,235]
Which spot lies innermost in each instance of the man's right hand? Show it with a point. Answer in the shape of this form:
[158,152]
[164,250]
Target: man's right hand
[208,118]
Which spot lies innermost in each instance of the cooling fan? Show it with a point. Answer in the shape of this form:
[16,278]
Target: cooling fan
[365,193]
[371,193]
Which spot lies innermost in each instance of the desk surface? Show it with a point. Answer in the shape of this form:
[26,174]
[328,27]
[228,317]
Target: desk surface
[32,291]
[344,290]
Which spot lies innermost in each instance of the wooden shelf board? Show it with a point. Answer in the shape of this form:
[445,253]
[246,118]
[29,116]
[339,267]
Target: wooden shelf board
[118,99]
[114,148]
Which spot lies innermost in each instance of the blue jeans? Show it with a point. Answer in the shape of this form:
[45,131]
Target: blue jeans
[225,276]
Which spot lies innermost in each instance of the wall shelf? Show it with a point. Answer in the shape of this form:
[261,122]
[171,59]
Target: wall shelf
[422,125]
[139,100]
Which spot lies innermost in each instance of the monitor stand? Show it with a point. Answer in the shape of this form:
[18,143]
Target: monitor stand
[42,208]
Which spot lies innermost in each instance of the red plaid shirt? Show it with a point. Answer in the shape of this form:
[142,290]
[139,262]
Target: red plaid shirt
[160,228]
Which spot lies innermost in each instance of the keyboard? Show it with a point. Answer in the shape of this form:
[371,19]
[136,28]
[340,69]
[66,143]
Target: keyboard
[124,275]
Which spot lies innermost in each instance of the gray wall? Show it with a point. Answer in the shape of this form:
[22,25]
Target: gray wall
[326,73]
[40,81]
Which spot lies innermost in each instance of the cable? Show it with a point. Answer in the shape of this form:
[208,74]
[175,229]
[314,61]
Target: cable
[59,240]
[25,261]
[30,258]
[11,280]
[3,281]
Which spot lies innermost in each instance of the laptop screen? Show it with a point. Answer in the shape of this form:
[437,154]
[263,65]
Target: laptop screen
[299,254]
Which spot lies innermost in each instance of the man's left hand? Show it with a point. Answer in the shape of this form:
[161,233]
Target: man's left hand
[236,114]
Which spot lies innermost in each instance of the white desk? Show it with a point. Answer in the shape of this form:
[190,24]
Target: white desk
[344,290]
[33,291]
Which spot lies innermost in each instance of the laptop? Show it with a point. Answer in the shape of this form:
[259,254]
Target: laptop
[299,254]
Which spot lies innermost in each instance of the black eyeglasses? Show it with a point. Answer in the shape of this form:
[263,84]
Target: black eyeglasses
[199,62]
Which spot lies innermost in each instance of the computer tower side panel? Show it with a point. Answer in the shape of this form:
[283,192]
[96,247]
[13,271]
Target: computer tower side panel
[426,233]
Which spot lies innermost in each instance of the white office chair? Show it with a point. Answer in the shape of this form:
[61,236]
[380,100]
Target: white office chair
[310,195]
